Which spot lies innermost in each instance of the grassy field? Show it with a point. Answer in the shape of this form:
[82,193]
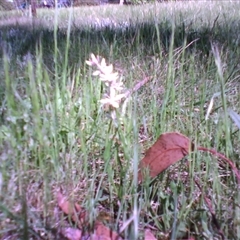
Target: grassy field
[57,134]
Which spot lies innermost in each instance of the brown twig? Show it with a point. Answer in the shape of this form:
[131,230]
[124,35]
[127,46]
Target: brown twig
[230,163]
[137,86]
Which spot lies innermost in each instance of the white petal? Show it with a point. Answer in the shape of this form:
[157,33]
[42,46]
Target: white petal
[94,59]
[105,101]
[112,92]
[109,77]
[103,63]
[114,104]
[89,63]
[119,97]
[108,69]
[96,73]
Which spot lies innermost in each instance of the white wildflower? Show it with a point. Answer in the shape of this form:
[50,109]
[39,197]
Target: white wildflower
[111,80]
[112,101]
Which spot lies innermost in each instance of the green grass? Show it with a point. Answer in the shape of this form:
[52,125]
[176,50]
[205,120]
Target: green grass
[55,134]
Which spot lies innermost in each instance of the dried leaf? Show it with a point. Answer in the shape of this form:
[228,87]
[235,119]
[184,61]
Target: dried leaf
[148,235]
[75,211]
[71,233]
[167,150]
[104,233]
[210,106]
[79,215]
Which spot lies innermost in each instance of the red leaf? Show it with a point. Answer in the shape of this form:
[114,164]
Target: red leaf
[104,233]
[167,150]
[148,235]
[71,233]
[75,211]
[79,215]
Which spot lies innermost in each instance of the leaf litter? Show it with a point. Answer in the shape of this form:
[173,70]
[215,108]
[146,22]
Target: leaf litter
[167,150]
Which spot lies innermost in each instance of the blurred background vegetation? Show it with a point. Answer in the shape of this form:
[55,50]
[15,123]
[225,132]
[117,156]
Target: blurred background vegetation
[6,5]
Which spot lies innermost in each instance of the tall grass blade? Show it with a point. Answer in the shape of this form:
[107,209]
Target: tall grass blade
[235,117]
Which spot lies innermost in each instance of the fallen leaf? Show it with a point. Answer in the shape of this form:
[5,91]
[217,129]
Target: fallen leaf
[79,215]
[148,235]
[75,211]
[104,233]
[168,149]
[71,233]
